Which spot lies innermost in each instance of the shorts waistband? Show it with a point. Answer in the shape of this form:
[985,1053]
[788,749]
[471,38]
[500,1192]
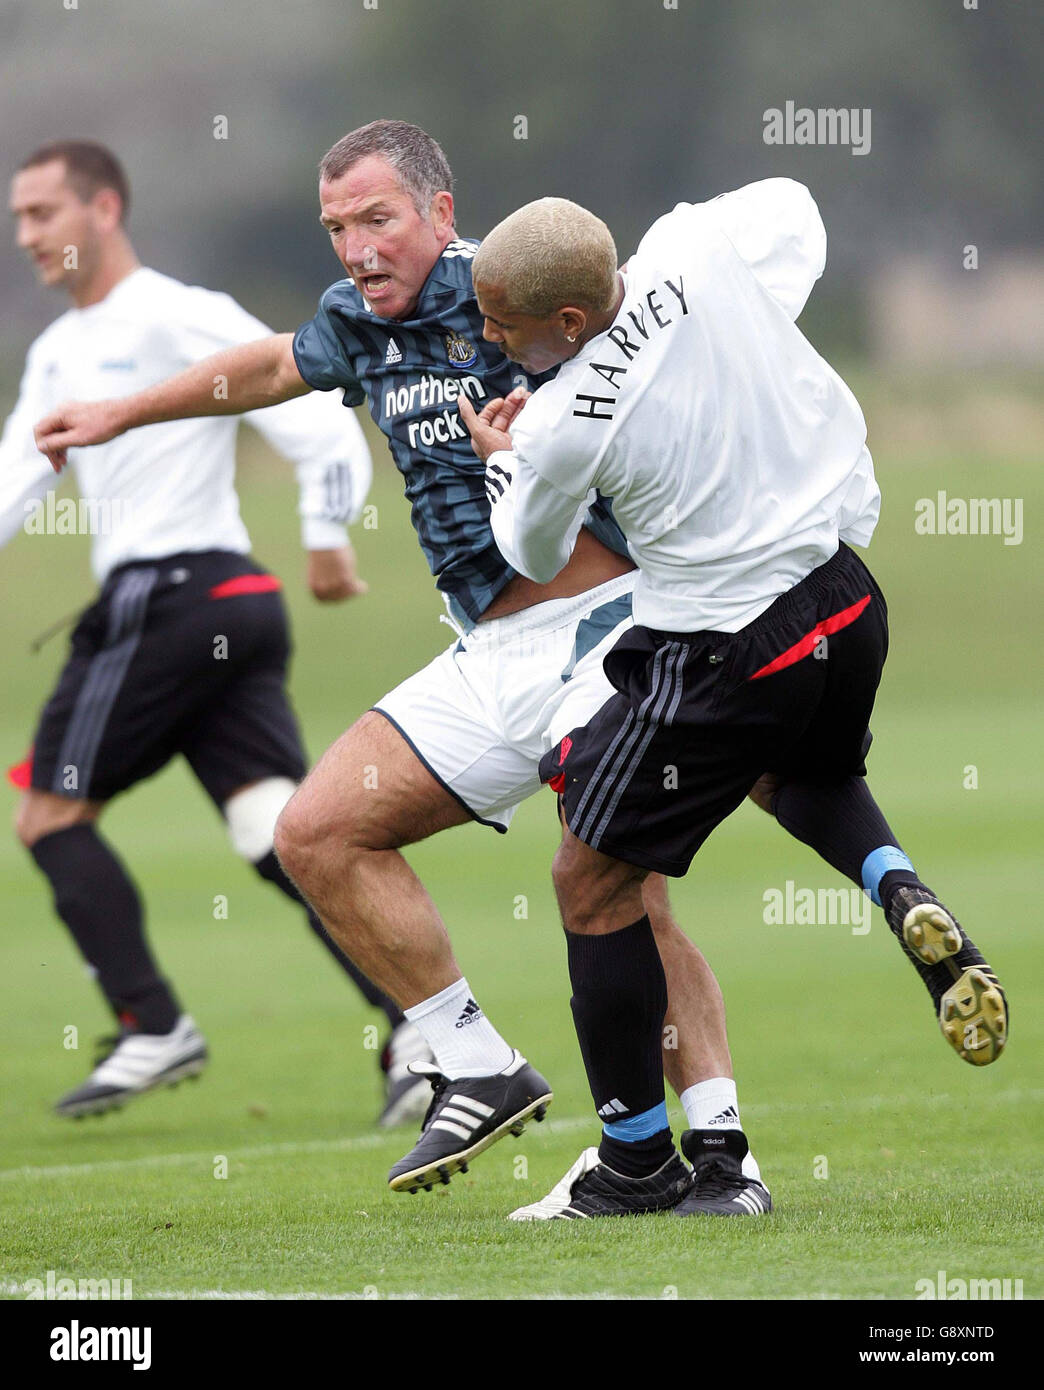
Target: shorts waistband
[822,582]
[180,557]
[554,612]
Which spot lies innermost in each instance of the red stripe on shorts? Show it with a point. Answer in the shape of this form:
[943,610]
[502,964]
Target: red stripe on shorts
[557,783]
[246,584]
[21,775]
[804,648]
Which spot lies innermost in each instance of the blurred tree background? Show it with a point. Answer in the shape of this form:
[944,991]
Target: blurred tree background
[628,107]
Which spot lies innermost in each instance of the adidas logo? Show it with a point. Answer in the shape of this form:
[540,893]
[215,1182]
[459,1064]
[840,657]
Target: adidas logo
[394,353]
[728,1116]
[611,1109]
[751,1199]
[470,1013]
[462,1115]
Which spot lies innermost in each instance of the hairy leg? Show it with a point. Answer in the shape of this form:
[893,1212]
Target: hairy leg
[251,812]
[339,839]
[695,1045]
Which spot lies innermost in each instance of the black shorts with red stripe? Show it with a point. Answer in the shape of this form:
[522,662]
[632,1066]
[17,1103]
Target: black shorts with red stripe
[699,717]
[185,654]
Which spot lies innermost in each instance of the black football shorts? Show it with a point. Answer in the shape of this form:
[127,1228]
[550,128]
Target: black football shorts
[186,654]
[699,717]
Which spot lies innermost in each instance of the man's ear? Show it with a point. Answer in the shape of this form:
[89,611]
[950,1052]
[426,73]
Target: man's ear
[573,322]
[108,208]
[441,211]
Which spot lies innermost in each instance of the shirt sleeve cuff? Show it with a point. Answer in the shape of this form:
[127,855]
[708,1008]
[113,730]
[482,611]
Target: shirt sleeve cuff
[318,534]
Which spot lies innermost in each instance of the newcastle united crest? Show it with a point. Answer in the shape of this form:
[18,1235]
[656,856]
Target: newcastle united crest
[459,351]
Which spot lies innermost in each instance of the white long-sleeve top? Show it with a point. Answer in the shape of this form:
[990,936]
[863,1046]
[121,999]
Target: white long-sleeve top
[168,488]
[734,455]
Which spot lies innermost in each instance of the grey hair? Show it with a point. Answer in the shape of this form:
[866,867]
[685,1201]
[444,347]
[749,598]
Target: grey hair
[548,254]
[419,161]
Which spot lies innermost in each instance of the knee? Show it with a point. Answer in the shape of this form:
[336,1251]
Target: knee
[588,885]
[40,814]
[316,832]
[294,837]
[251,815]
[764,790]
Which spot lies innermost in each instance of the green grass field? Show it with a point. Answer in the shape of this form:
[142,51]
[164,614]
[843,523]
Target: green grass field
[930,1164]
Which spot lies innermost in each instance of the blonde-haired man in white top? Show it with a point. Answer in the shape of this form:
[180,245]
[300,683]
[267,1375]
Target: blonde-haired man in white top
[737,465]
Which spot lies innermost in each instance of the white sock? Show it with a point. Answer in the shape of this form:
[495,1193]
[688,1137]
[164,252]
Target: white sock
[713,1105]
[460,1035]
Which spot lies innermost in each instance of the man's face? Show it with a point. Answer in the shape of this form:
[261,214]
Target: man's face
[536,344]
[53,225]
[385,245]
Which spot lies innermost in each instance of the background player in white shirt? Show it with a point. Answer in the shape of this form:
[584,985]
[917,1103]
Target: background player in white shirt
[737,463]
[170,551]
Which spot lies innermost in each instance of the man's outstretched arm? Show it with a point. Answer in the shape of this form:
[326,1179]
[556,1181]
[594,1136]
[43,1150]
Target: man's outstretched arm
[240,378]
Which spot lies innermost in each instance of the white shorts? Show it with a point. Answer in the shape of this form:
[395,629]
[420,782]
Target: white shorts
[481,715]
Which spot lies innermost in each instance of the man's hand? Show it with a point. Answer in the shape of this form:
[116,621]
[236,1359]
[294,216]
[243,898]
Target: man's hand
[332,576]
[489,429]
[75,425]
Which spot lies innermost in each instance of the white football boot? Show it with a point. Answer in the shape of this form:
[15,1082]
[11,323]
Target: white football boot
[136,1063]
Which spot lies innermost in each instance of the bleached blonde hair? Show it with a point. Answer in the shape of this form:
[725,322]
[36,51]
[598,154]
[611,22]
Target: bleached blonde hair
[548,254]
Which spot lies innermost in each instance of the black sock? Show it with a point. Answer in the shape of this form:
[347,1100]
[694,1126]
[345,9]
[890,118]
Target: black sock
[636,1158]
[97,901]
[270,868]
[843,823]
[619,1002]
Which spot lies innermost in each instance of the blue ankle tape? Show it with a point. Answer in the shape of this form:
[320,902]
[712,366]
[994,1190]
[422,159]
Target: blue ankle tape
[642,1126]
[878,863]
